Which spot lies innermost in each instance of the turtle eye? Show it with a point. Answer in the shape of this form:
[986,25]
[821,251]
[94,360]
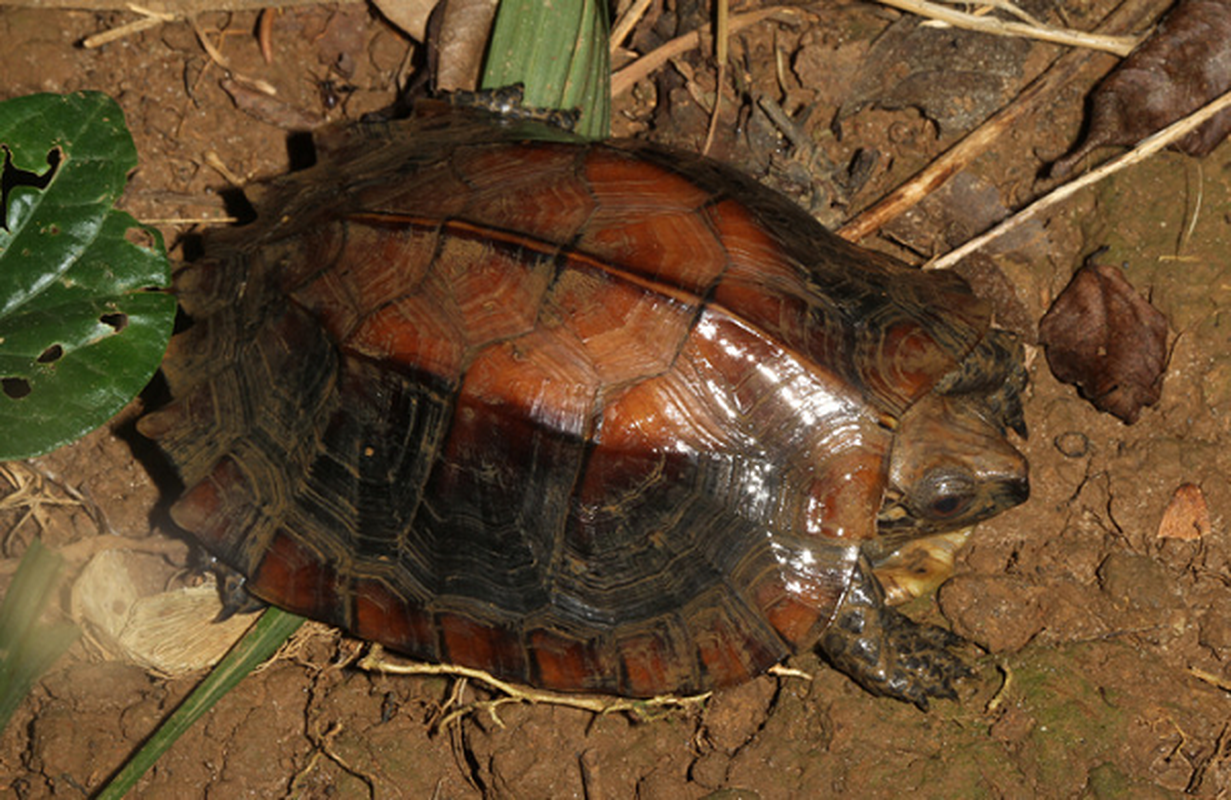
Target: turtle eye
[945,494]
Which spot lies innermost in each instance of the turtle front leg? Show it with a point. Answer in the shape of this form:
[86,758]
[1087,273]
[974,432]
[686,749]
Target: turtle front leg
[888,653]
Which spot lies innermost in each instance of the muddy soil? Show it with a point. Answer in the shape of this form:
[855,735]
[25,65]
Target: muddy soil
[1102,644]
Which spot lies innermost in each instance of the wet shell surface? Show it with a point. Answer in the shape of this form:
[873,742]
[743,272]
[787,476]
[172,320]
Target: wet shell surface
[593,417]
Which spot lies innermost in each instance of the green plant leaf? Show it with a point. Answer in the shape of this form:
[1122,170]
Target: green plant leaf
[81,332]
[559,52]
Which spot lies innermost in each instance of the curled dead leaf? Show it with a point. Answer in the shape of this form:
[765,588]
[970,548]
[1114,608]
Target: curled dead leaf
[1187,516]
[267,108]
[1185,64]
[1107,340]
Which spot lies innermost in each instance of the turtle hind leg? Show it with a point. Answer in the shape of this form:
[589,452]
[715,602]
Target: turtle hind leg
[888,653]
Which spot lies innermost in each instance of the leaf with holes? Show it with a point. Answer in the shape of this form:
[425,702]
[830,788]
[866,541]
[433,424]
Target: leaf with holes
[82,325]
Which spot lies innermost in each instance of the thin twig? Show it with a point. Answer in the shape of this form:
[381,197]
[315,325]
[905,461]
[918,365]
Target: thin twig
[625,24]
[1146,148]
[623,79]
[1117,45]
[722,22]
[375,661]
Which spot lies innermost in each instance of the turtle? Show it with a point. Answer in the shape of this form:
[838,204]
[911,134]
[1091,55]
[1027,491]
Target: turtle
[594,417]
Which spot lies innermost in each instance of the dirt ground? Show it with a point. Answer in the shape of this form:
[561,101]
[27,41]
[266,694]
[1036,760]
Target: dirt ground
[1103,644]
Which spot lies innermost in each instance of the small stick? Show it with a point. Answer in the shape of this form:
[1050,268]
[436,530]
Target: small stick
[722,23]
[625,24]
[1144,149]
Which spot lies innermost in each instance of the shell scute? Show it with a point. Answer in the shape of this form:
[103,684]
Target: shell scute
[471,641]
[397,618]
[531,188]
[568,662]
[352,275]
[302,577]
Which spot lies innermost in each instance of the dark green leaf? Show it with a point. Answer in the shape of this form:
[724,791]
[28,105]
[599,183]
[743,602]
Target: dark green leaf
[81,332]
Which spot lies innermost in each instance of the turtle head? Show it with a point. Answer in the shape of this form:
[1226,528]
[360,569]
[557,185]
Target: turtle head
[950,467]
[951,464]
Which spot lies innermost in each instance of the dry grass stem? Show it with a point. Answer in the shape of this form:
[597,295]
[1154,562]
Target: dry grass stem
[1144,149]
[149,19]
[779,671]
[80,552]
[215,162]
[191,220]
[1210,678]
[623,79]
[722,22]
[32,492]
[1194,213]
[1118,45]
[375,661]
[988,6]
[215,55]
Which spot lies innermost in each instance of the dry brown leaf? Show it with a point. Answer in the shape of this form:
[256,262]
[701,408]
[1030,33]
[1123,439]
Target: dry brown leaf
[461,43]
[1105,338]
[1183,66]
[1187,516]
[269,109]
[409,15]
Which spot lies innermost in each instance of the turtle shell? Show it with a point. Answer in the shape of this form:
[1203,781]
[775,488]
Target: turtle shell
[594,417]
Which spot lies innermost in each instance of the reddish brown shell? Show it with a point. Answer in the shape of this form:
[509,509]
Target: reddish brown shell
[588,416]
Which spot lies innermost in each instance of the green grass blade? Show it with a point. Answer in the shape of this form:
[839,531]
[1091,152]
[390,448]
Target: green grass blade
[559,52]
[27,649]
[258,644]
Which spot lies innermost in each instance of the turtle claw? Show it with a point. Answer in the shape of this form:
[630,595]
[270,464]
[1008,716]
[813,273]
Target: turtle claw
[889,654]
[924,663]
